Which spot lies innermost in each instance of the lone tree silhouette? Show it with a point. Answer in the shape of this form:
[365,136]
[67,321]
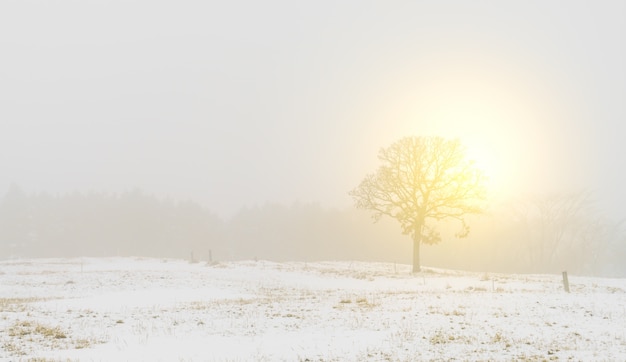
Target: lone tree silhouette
[423,180]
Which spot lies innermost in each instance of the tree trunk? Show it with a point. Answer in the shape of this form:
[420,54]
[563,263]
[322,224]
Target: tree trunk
[416,254]
[417,240]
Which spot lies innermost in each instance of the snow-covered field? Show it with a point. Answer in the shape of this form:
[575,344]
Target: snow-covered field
[150,309]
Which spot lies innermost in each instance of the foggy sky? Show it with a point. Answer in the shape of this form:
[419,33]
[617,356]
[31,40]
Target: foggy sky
[242,102]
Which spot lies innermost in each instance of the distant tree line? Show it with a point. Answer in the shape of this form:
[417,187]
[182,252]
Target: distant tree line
[564,232]
[536,235]
[136,224]
[100,224]
[541,234]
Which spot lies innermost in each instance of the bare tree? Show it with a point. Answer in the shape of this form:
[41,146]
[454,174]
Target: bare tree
[423,180]
[553,226]
[598,250]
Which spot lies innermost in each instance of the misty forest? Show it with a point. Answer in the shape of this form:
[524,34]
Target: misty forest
[536,234]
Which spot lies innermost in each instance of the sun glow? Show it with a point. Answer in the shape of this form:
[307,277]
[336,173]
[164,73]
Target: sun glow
[485,160]
[494,120]
[487,144]
[477,123]
[500,114]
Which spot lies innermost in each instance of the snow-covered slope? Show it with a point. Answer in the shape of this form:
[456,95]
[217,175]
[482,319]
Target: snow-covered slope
[151,309]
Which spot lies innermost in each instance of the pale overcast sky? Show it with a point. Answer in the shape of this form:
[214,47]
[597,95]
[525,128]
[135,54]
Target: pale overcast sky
[235,103]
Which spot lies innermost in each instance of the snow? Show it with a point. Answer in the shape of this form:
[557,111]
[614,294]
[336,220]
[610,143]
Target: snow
[154,309]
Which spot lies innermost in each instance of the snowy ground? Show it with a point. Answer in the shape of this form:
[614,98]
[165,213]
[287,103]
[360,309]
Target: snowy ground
[151,309]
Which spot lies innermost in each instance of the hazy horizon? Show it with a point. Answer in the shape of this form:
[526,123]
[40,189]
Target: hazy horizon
[241,103]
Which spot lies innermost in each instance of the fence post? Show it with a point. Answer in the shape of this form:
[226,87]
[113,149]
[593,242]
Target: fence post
[565,282]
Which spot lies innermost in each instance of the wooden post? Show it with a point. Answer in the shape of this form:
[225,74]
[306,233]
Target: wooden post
[565,282]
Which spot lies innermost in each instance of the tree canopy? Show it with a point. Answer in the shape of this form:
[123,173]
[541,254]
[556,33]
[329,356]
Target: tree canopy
[421,181]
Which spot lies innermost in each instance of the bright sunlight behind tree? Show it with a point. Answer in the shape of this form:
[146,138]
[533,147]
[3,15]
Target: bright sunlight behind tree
[423,180]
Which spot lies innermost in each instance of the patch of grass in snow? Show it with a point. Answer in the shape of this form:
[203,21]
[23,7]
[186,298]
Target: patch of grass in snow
[13,349]
[25,328]
[499,338]
[25,334]
[212,304]
[439,337]
[456,313]
[216,264]
[405,333]
[29,336]
[83,343]
[363,302]
[615,290]
[357,302]
[442,337]
[375,355]
[523,357]
[16,304]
